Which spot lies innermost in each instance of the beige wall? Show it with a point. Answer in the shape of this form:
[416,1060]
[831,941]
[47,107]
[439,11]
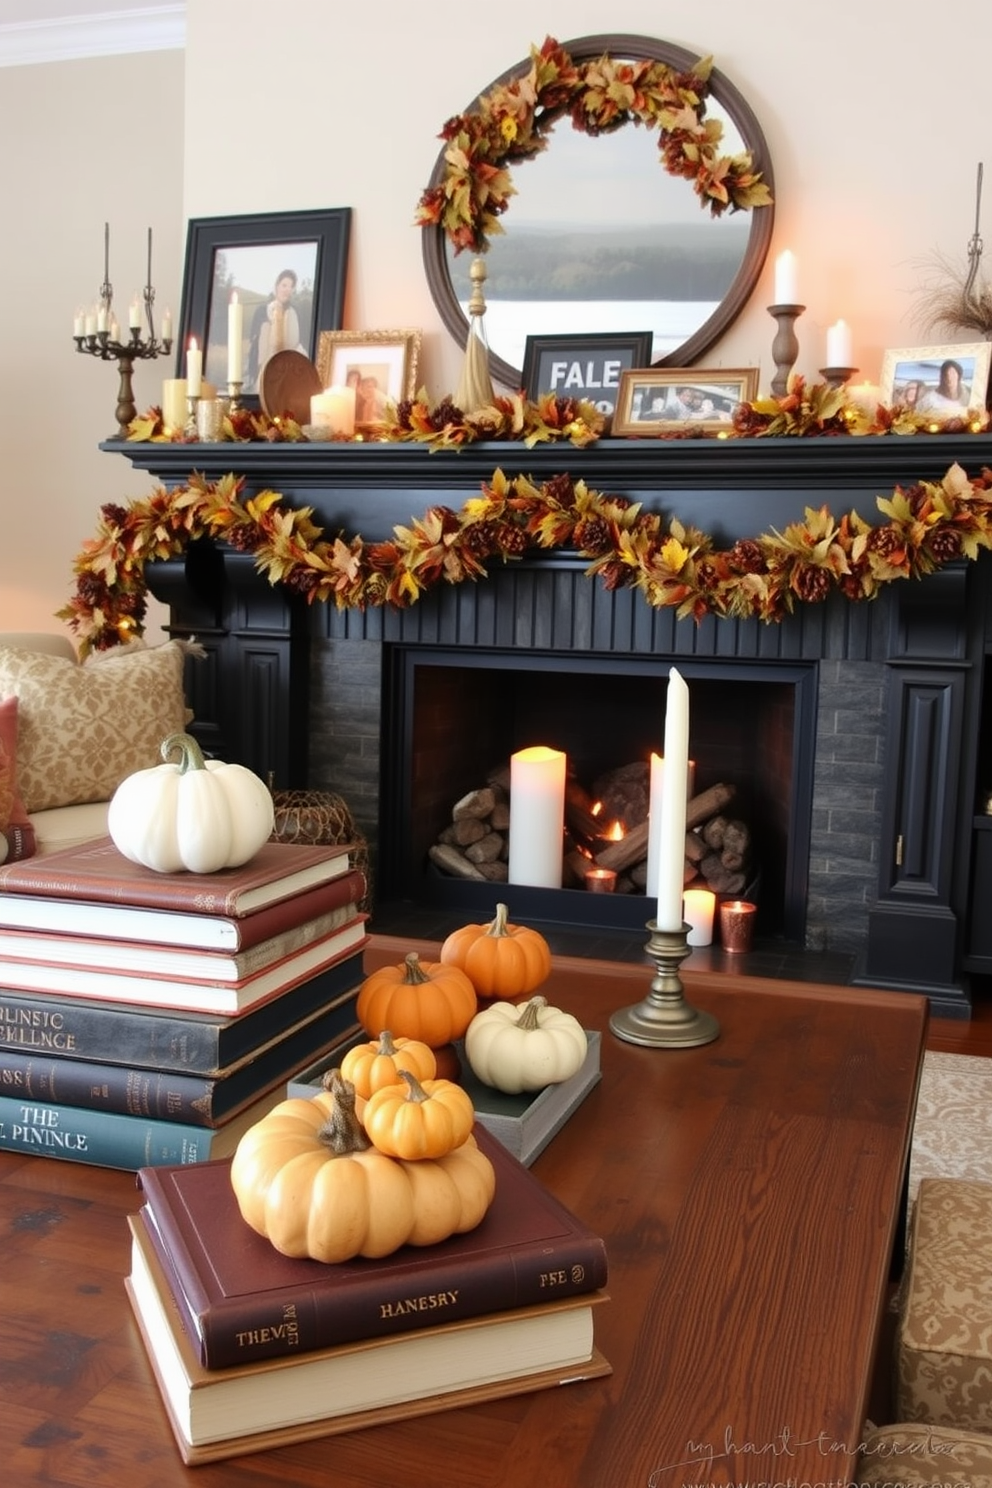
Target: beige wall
[875,126]
[84,142]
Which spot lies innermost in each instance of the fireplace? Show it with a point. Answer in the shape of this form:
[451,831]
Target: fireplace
[450,717]
[854,732]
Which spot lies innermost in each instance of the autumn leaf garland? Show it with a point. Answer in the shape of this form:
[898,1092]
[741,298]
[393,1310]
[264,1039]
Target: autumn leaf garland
[674,566]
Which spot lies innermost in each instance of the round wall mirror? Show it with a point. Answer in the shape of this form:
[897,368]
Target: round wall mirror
[600,238]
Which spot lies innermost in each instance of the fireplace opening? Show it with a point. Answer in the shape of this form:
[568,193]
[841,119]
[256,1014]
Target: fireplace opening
[449,718]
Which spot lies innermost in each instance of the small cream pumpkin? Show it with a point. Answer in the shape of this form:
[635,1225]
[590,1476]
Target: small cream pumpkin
[514,1049]
[198,815]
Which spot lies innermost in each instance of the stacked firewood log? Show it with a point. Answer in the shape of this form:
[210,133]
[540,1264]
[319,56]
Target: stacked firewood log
[604,828]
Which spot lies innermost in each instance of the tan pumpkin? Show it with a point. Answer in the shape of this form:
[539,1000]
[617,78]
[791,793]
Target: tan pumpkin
[423,1000]
[370,1066]
[306,1178]
[501,960]
[413,1120]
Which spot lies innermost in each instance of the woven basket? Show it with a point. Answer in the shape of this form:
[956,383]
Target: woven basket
[319,817]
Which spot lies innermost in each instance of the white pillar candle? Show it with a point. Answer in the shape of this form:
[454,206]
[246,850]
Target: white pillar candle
[235,339]
[698,906]
[839,344]
[333,410]
[537,816]
[786,292]
[864,395]
[654,824]
[174,402]
[671,863]
[194,369]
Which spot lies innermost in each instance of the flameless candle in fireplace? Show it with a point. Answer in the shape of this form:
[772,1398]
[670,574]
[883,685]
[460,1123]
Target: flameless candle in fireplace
[537,816]
[600,880]
[671,854]
[698,906]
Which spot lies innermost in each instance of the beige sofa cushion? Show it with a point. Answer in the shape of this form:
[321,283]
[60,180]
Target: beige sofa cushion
[911,1456]
[83,728]
[944,1333]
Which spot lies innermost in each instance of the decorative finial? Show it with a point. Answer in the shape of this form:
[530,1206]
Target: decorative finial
[475,390]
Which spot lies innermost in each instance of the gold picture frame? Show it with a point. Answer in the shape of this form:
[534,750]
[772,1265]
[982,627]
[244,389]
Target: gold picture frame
[388,359]
[913,378]
[655,400]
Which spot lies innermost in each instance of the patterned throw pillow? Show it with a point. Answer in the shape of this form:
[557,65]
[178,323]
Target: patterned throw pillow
[15,825]
[83,728]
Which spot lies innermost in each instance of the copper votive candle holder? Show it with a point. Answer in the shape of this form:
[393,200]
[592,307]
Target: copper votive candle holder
[600,880]
[737,924]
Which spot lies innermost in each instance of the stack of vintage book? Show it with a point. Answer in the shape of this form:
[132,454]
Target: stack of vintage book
[251,1349]
[149,1018]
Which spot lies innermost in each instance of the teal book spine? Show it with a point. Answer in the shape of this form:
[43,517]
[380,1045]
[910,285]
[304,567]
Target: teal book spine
[104,1139]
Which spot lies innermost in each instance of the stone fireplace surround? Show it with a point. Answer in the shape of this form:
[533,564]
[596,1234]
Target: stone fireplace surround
[885,852]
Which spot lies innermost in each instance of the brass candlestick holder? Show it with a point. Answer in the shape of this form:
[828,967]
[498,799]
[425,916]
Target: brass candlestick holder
[785,347]
[192,404]
[664,1020]
[125,354]
[234,396]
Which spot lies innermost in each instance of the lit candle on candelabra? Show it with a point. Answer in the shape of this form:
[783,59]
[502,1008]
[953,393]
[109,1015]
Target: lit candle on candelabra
[671,859]
[235,339]
[134,314]
[167,326]
[537,816]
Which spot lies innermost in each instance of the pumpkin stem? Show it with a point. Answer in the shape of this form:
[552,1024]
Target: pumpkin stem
[415,973]
[499,926]
[387,1045]
[342,1132]
[528,1015]
[191,755]
[416,1091]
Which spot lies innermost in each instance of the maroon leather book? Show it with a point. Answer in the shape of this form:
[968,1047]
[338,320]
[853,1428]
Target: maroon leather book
[97,871]
[169,927]
[241,1300]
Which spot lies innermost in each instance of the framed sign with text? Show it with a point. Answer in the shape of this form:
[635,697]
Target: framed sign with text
[587,367]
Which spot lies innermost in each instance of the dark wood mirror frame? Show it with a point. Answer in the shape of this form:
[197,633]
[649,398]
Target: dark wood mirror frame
[723,92]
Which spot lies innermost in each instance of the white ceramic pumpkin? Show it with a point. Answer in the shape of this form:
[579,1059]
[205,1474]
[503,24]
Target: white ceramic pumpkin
[515,1048]
[195,815]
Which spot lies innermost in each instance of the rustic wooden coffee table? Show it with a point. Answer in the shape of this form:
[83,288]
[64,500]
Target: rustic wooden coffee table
[749,1192]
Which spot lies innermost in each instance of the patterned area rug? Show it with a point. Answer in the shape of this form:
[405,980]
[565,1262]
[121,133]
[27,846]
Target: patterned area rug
[952,1137]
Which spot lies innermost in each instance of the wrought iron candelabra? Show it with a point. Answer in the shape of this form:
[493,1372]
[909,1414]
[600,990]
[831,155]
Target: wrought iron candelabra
[100,343]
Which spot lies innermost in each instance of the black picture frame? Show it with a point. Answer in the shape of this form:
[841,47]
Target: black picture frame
[588,361]
[312,245]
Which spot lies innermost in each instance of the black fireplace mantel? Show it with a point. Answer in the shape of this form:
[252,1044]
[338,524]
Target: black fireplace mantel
[731,488]
[934,636]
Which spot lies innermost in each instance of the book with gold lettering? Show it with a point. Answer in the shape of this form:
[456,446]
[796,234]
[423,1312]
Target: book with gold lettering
[221,1413]
[241,1300]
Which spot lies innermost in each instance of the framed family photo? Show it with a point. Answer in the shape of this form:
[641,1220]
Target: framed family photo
[942,382]
[587,367]
[380,365]
[288,270]
[657,399]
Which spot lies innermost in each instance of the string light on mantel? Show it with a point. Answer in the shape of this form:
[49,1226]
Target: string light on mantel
[97,332]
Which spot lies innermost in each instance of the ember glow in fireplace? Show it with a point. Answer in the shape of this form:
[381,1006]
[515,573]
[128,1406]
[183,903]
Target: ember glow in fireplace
[451,722]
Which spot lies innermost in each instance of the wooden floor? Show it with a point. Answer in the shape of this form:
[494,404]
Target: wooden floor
[965,1036]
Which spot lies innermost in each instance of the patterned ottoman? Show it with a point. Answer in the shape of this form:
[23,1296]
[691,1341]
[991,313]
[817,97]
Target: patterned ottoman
[944,1335]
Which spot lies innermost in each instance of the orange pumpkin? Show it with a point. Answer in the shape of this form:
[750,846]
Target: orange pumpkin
[371,1066]
[423,1000]
[501,960]
[412,1121]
